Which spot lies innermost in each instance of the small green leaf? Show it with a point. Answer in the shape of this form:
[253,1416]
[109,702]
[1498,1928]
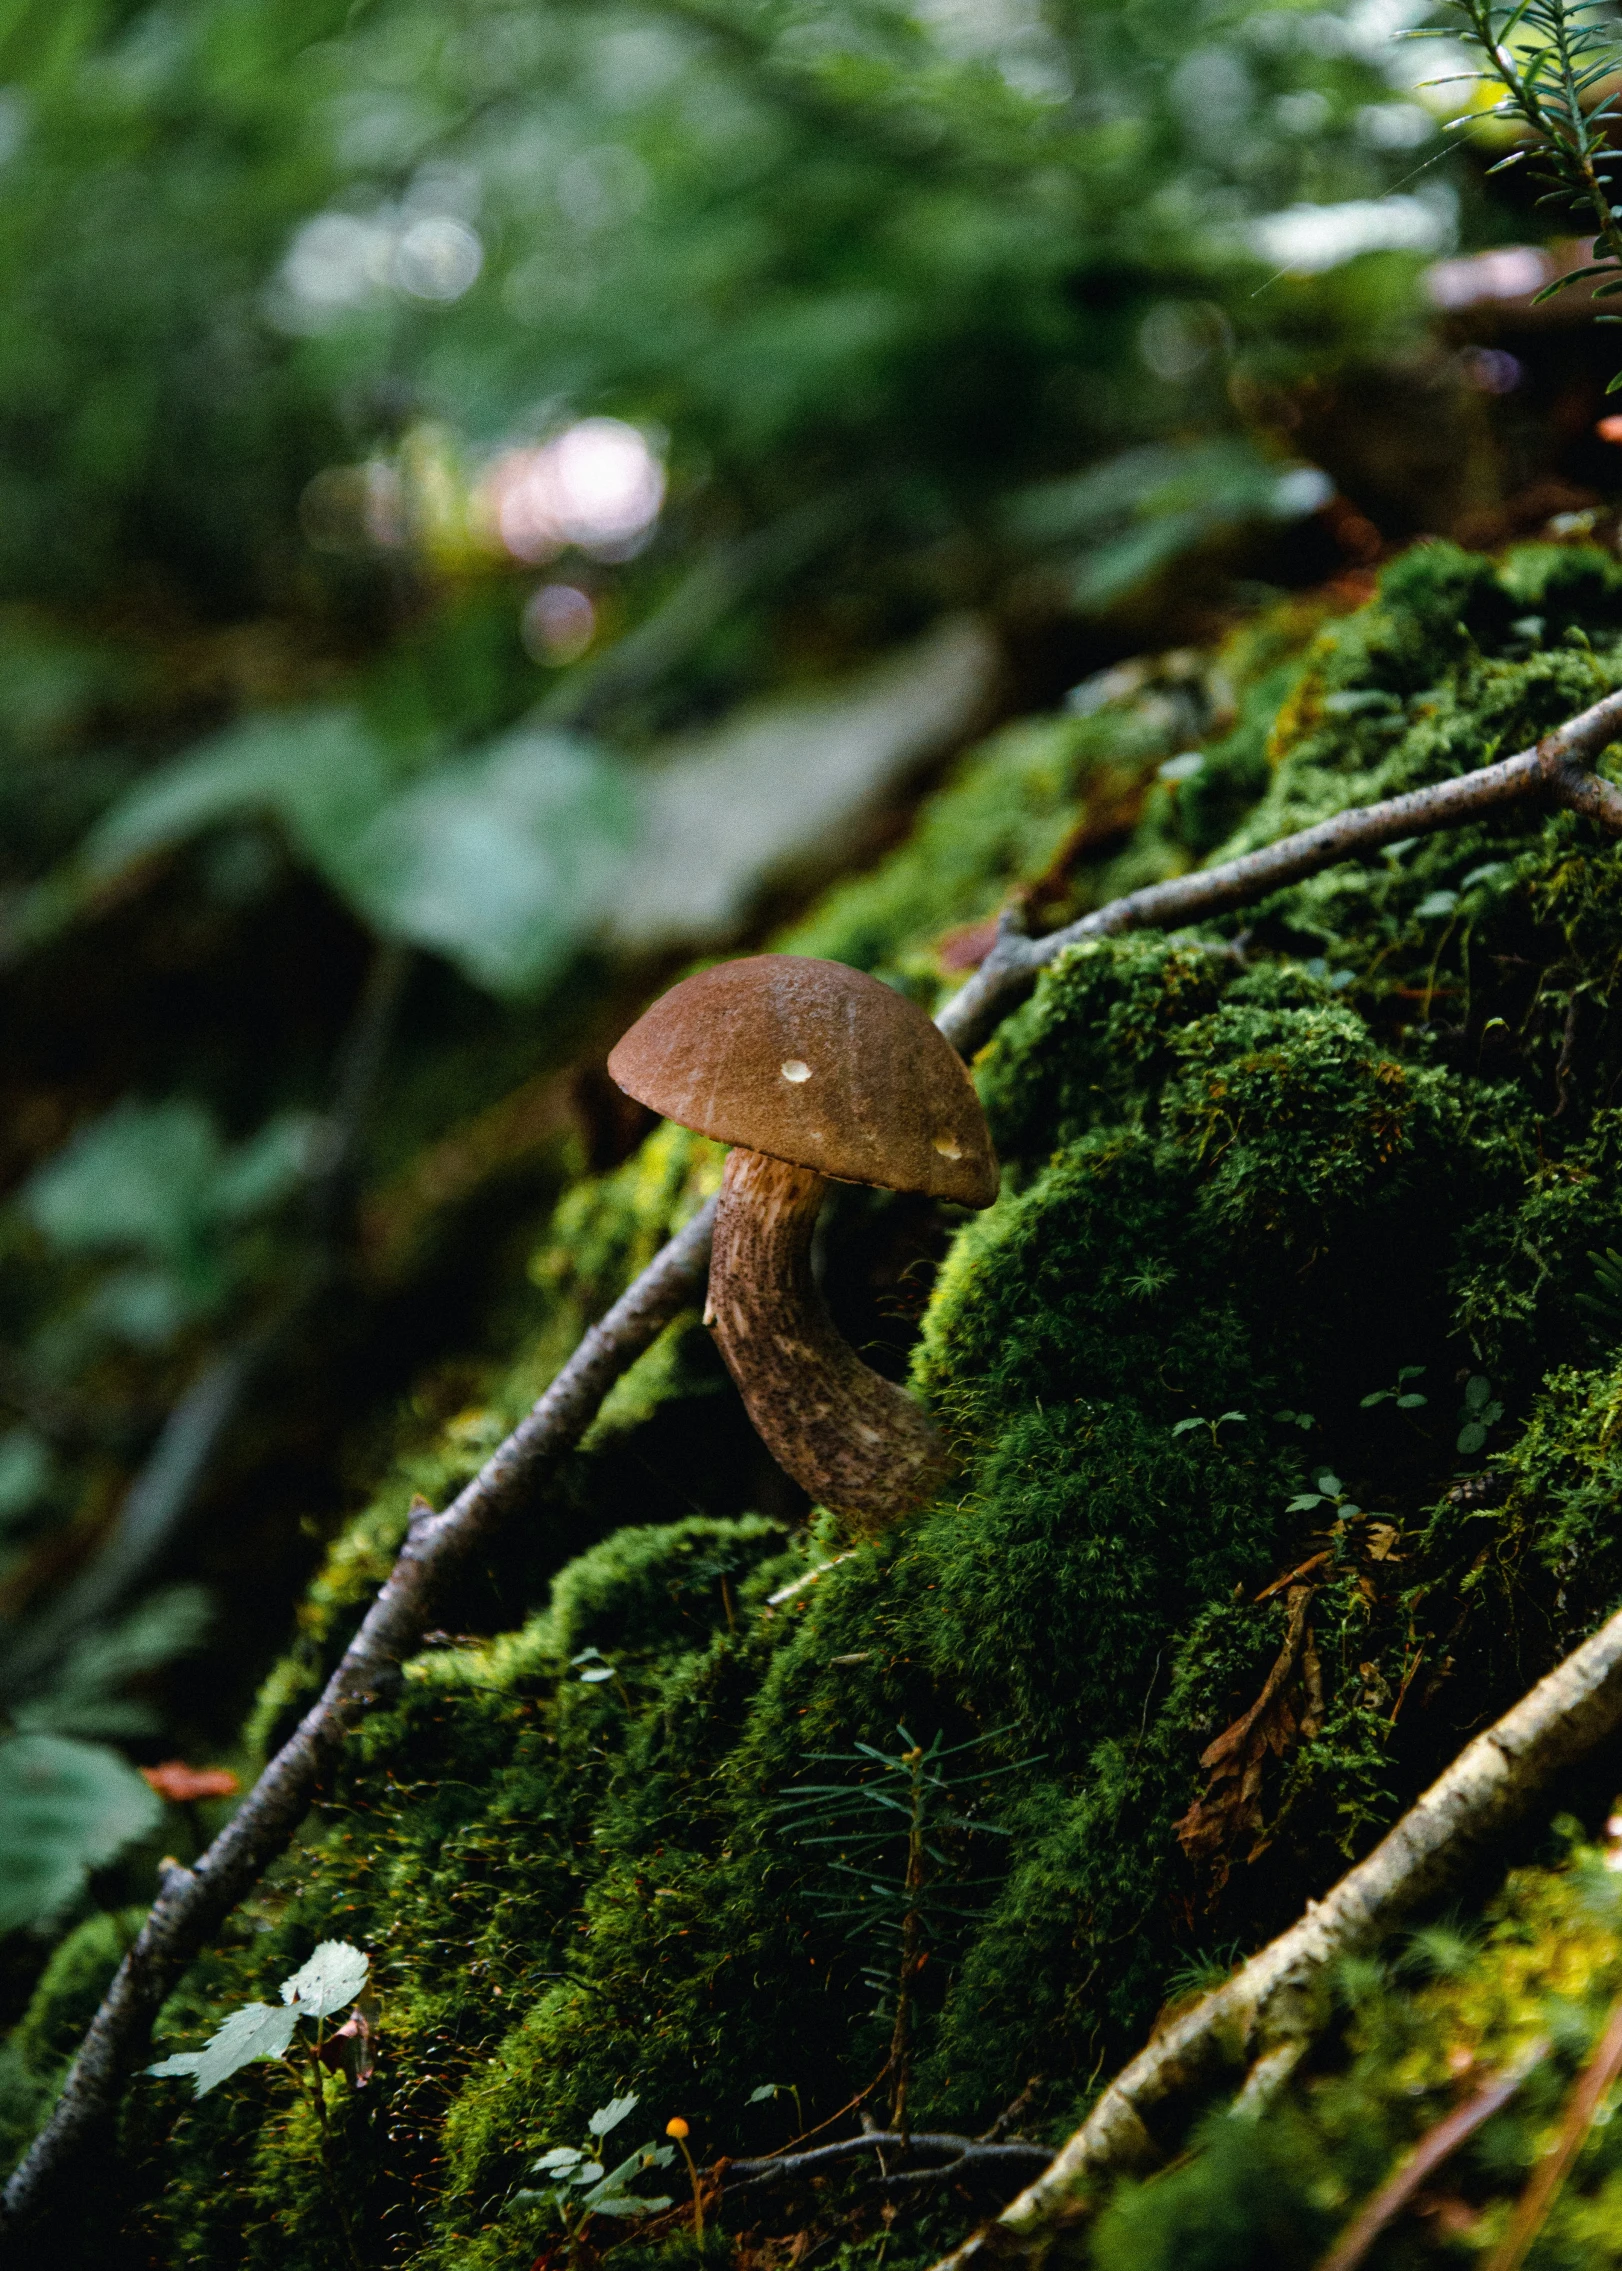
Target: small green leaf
[1224,1417]
[1411,1402]
[1329,1484]
[257,2030]
[597,1675]
[1304,1503]
[610,2116]
[1380,1396]
[1471,1438]
[1436,903]
[559,2158]
[334,1976]
[1183,1425]
[1476,1393]
[766,2090]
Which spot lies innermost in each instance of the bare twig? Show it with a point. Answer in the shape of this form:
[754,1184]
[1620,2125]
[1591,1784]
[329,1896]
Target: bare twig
[1434,2148]
[188,1911]
[1271,1999]
[966,2156]
[1555,768]
[186,1914]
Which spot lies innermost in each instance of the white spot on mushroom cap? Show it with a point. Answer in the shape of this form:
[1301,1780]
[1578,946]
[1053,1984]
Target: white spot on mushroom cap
[796,1069]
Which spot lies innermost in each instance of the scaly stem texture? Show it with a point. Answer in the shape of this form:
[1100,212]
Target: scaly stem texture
[857,1443]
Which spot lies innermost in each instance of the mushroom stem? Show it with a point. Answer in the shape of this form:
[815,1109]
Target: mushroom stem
[857,1443]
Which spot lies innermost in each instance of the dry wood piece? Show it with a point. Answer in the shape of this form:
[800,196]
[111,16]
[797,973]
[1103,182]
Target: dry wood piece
[809,1070]
[192,1904]
[1271,2000]
[965,2156]
[1555,768]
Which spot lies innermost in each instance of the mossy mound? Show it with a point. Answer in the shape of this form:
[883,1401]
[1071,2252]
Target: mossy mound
[1281,1361]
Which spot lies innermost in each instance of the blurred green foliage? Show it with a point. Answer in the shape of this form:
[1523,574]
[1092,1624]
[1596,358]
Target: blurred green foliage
[853,314]
[337,703]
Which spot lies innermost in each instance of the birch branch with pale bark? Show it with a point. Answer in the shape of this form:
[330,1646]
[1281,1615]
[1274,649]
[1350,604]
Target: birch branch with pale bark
[1274,2001]
[193,1903]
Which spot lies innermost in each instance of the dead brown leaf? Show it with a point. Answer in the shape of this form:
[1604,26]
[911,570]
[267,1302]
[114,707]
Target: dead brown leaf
[1290,1706]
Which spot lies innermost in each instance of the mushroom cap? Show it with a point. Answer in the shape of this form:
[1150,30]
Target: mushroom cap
[818,1064]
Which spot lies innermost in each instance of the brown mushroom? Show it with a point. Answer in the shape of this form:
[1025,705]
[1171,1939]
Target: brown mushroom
[811,1071]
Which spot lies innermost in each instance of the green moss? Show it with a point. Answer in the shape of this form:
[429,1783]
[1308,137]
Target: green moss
[1253,1175]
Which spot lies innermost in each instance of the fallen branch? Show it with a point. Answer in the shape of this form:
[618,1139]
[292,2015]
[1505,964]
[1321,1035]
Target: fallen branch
[967,2156]
[1555,768]
[193,1903]
[190,1908]
[1271,2001]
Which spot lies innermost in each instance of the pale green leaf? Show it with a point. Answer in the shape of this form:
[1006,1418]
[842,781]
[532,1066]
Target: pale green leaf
[257,2030]
[334,1976]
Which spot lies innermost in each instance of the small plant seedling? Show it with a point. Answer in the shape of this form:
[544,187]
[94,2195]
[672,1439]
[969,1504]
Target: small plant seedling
[1479,1412]
[1404,1397]
[1223,1419]
[1328,1493]
[330,1982]
[770,2090]
[903,1804]
[1305,1420]
[581,2186]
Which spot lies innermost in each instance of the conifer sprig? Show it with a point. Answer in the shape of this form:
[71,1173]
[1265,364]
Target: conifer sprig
[1549,58]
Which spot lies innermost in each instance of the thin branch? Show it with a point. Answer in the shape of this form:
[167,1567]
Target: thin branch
[1271,1999]
[192,1905]
[1554,768]
[966,2155]
[189,1911]
[1434,2148]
